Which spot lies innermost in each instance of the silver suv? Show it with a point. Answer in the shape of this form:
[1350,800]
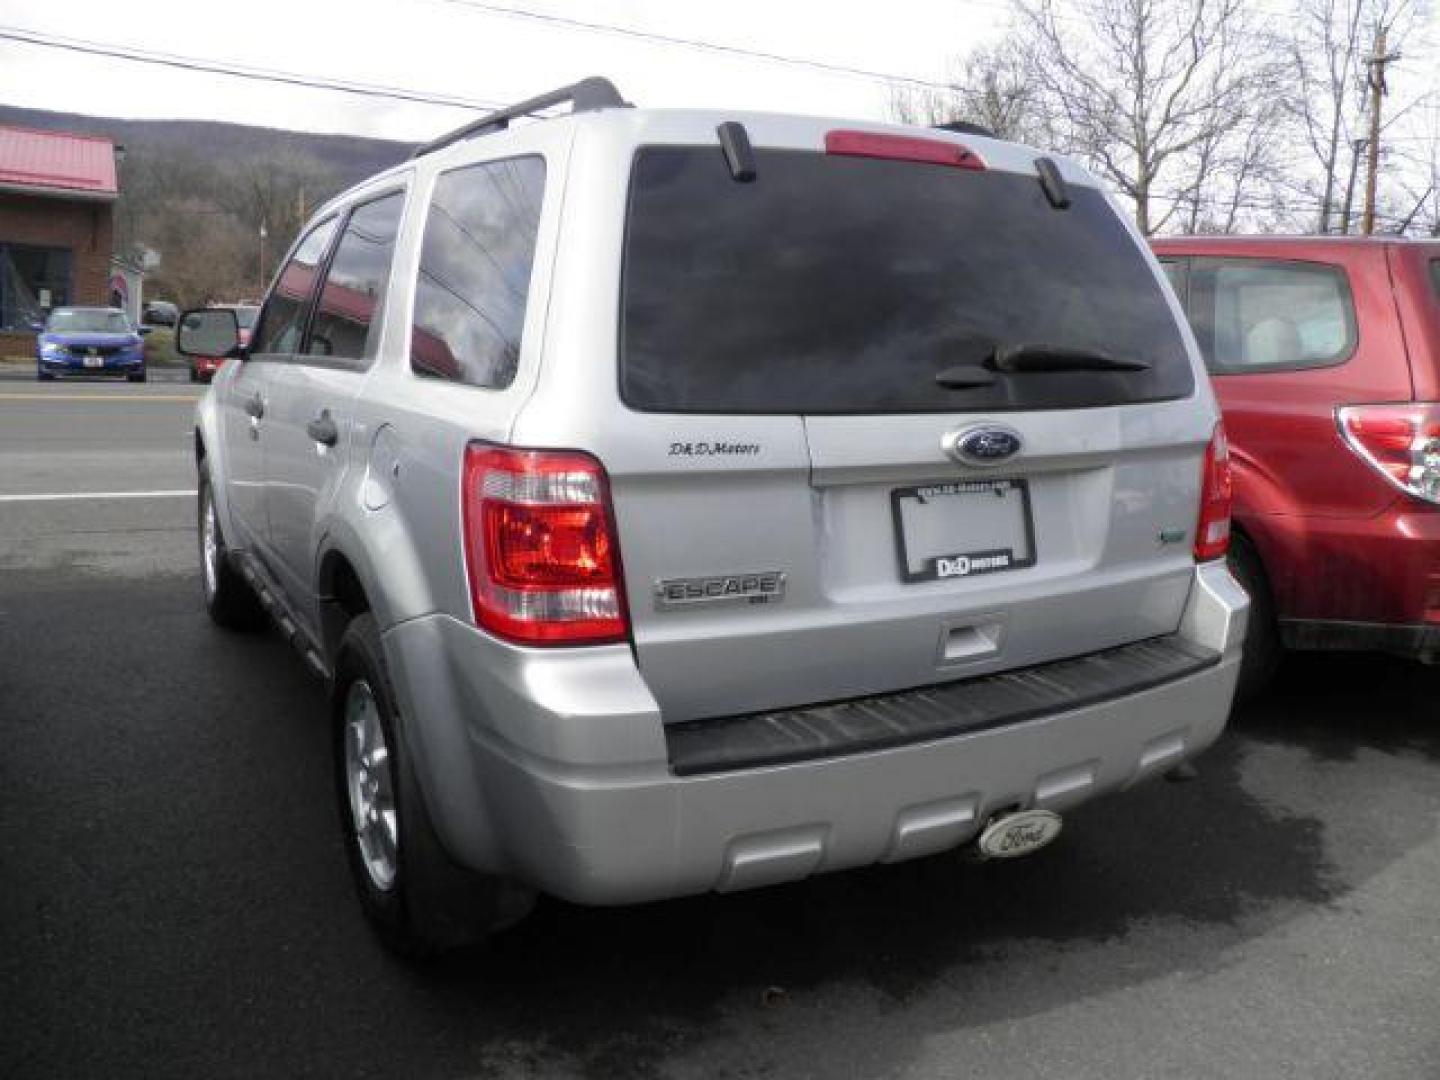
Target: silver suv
[680,501]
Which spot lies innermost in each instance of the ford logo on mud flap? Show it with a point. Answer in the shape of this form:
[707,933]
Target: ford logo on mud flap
[1012,835]
[988,444]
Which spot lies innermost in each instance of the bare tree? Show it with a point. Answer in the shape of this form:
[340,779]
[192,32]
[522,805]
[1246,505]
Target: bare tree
[1416,179]
[1145,90]
[992,87]
[1327,47]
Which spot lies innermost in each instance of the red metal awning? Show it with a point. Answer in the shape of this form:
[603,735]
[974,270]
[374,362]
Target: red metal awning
[57,163]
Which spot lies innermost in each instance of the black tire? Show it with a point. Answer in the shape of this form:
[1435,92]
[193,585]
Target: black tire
[140,377]
[44,376]
[229,599]
[430,904]
[194,375]
[1262,637]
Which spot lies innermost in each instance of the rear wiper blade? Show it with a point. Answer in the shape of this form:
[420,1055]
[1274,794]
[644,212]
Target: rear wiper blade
[1039,358]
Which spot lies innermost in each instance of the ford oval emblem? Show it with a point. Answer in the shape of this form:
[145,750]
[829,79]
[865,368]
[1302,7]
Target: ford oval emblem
[988,444]
[1020,833]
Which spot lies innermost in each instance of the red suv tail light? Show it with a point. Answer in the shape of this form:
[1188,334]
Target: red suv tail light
[1212,534]
[1401,441]
[540,547]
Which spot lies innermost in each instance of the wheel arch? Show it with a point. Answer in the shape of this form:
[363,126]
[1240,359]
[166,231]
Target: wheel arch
[343,594]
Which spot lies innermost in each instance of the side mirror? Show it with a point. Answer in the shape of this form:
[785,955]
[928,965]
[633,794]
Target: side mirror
[143,330]
[208,332]
[37,326]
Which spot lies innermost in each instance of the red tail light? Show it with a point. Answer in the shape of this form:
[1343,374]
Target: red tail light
[902,148]
[1401,441]
[1212,534]
[540,547]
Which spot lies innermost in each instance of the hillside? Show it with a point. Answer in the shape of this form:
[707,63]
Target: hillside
[195,195]
[349,158]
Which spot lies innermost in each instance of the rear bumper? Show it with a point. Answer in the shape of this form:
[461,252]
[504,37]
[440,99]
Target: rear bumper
[554,766]
[1412,642]
[1378,571]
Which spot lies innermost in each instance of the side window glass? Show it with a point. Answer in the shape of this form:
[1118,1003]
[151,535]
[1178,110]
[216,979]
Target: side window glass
[282,320]
[345,324]
[475,265]
[1176,273]
[1256,315]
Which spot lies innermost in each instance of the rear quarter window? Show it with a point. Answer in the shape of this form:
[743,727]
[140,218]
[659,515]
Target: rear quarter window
[1253,315]
[475,264]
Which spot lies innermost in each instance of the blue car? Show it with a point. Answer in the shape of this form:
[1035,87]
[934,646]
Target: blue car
[89,341]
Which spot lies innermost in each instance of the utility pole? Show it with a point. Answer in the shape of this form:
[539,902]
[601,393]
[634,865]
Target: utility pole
[261,275]
[1375,76]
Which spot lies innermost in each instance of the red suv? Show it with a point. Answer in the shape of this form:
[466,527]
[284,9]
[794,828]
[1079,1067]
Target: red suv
[1325,355]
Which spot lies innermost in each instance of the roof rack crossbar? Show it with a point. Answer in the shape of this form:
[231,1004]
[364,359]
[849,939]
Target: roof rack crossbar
[587,95]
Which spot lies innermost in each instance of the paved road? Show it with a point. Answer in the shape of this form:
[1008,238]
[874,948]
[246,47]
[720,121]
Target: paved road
[173,900]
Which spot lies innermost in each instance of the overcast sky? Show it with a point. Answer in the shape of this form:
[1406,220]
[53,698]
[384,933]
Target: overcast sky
[446,47]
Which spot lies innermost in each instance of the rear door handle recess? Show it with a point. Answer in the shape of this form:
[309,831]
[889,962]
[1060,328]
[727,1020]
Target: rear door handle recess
[323,430]
[255,406]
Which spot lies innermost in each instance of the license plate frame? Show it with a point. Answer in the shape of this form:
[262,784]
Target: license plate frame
[963,563]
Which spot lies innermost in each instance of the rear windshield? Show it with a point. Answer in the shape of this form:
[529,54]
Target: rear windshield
[837,284]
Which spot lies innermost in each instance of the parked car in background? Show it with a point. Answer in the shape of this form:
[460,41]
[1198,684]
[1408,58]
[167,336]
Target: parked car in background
[640,566]
[203,368]
[159,313]
[1325,355]
[89,341]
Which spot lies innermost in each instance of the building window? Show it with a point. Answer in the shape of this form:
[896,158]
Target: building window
[32,281]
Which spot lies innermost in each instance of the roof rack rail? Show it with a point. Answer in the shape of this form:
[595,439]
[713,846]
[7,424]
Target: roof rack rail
[587,95]
[966,127]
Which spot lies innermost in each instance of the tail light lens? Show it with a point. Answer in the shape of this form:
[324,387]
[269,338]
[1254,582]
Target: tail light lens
[540,547]
[1212,534]
[1401,441]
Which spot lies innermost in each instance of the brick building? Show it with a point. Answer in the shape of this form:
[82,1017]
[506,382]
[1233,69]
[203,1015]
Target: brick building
[57,194]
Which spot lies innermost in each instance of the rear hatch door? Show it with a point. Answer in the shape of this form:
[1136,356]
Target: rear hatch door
[806,512]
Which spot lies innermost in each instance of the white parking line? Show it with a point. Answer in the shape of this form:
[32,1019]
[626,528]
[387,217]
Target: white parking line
[63,496]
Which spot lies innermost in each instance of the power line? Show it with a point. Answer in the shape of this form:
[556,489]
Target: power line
[239,71]
[511,11]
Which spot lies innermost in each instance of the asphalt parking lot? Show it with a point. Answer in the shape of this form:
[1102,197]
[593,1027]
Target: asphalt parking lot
[174,901]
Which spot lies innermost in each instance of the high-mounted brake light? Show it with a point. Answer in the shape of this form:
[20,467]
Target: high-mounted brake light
[540,547]
[1212,533]
[1401,441]
[902,148]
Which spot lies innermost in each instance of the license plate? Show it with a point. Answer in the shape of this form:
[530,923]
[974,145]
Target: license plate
[94,361]
[962,528]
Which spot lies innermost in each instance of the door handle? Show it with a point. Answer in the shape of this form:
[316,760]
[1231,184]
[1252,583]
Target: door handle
[255,406]
[323,430]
